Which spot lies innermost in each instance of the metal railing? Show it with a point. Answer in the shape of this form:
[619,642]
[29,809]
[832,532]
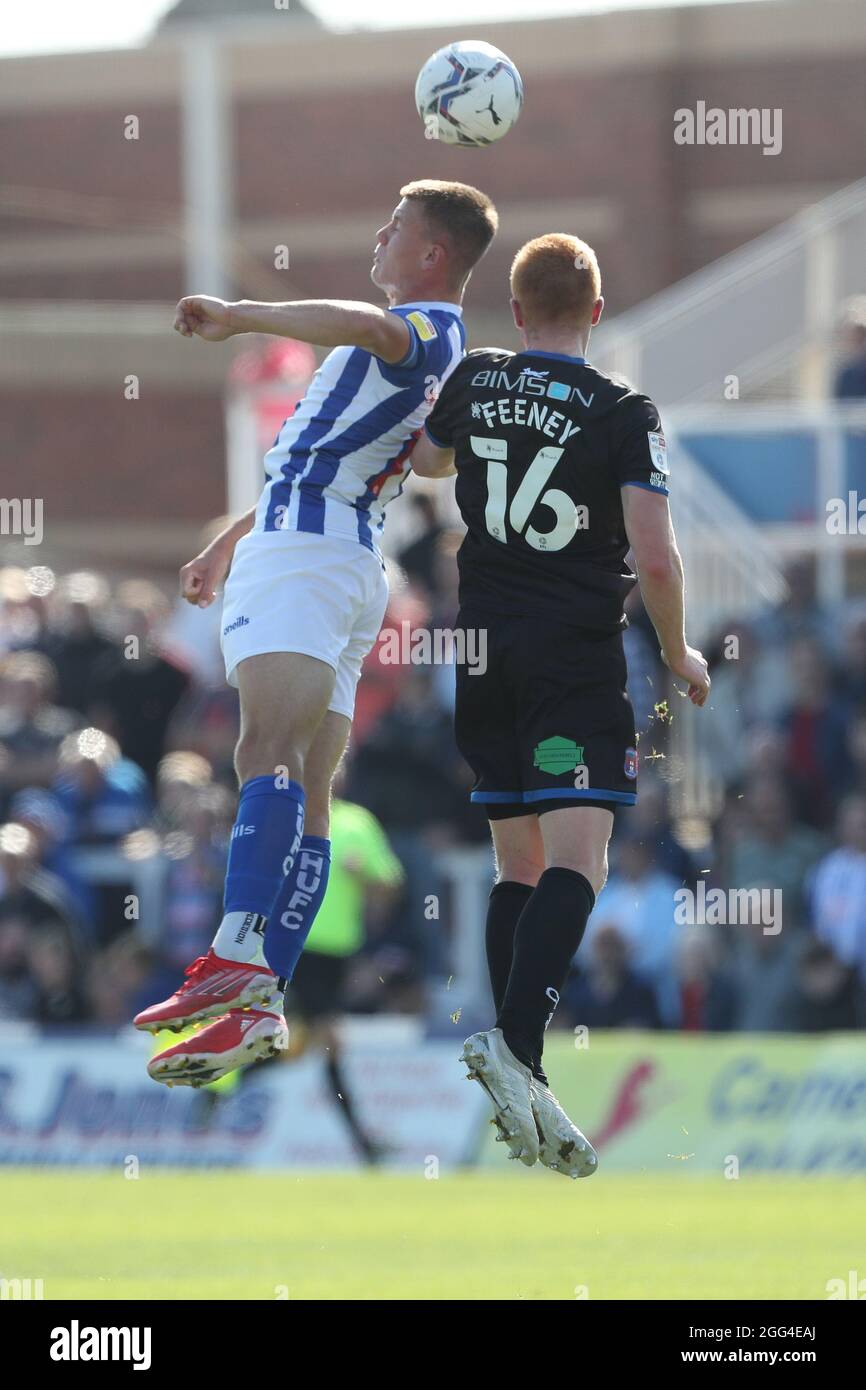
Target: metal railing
[734,565]
[729,565]
[756,310]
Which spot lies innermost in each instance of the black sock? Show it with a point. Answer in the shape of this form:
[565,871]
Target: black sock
[549,931]
[507,901]
[337,1083]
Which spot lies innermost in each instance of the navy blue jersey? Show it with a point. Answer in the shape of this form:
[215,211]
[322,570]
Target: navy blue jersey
[542,444]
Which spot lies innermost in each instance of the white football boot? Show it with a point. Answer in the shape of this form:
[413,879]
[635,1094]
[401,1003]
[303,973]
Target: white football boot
[507,1083]
[562,1146]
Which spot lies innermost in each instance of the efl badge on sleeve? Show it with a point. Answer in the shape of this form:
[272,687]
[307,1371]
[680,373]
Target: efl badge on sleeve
[426,330]
[631,763]
[658,451]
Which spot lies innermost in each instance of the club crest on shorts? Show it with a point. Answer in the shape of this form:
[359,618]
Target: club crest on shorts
[630,767]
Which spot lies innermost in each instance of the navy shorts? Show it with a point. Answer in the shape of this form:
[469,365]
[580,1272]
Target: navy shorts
[547,722]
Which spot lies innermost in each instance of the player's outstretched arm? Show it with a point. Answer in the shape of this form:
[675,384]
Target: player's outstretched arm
[325,322]
[200,579]
[650,534]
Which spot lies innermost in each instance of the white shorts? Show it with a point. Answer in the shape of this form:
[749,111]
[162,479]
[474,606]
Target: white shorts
[296,591]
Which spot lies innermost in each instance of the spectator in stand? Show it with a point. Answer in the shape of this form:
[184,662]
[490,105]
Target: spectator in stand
[816,733]
[765,974]
[179,777]
[771,845]
[76,640]
[603,991]
[32,903]
[409,774]
[768,754]
[444,609]
[195,855]
[17,990]
[103,795]
[41,813]
[414,778]
[850,382]
[707,991]
[191,635]
[22,610]
[639,901]
[206,724]
[830,998]
[27,889]
[116,981]
[105,798]
[857,744]
[57,972]
[798,615]
[644,684]
[750,690]
[649,819]
[418,559]
[137,688]
[647,681]
[853,673]
[32,725]
[838,889]
[445,603]
[382,677]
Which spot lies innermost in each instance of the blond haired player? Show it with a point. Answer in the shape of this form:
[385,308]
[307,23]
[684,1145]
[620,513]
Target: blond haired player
[560,471]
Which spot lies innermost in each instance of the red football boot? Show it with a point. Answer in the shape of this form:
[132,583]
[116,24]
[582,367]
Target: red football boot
[211,986]
[239,1038]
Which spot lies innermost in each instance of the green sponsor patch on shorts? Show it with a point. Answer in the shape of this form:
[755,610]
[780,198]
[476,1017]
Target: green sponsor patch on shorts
[556,755]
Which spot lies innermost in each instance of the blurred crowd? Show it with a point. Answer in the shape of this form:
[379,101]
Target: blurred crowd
[117,796]
[784,738]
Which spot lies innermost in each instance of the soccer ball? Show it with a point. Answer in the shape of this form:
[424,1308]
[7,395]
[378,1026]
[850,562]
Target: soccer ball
[468,94]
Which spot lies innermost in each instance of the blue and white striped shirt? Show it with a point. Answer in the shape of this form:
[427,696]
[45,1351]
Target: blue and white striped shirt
[345,452]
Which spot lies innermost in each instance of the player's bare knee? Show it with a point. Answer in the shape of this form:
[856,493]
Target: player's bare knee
[519,870]
[264,753]
[594,870]
[516,865]
[518,850]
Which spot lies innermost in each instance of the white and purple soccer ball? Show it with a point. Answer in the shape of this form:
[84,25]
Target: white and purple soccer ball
[468,94]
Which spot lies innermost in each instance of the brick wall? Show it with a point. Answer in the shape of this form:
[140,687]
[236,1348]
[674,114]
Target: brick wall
[87,215]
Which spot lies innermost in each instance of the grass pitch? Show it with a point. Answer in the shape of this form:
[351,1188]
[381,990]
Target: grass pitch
[220,1235]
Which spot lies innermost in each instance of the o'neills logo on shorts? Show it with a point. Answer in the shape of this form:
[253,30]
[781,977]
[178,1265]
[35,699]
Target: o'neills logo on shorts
[238,622]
